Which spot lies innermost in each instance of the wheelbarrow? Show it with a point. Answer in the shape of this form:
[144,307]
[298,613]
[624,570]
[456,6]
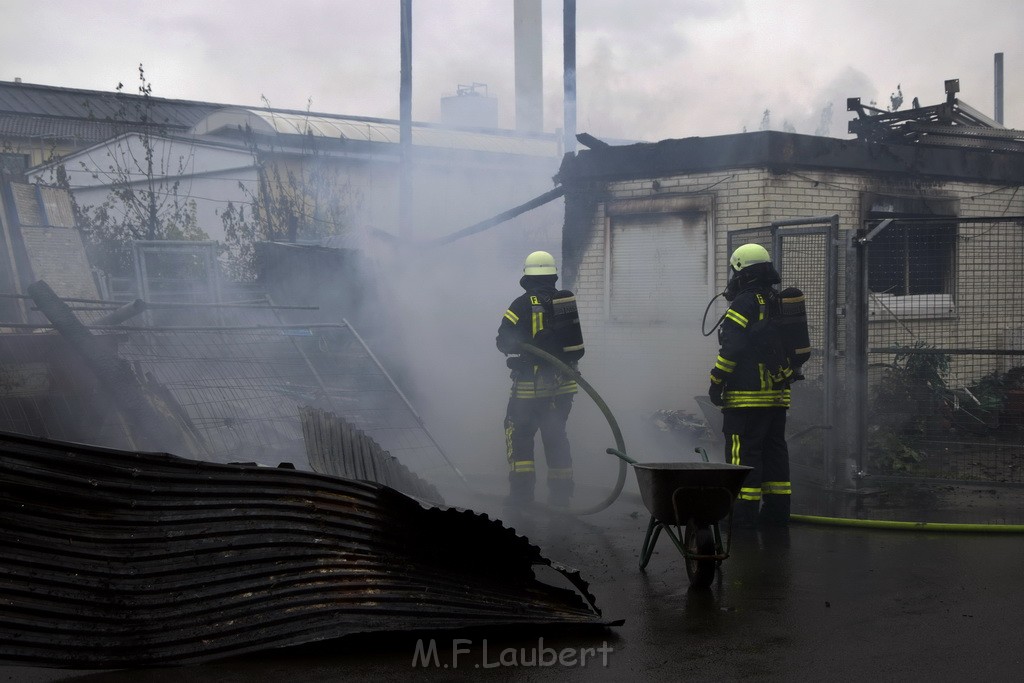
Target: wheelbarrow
[687,500]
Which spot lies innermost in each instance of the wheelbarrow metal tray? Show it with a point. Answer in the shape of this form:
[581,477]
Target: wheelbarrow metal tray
[677,491]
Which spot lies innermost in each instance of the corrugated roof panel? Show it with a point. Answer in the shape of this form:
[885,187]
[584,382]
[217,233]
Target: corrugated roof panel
[300,124]
[28,98]
[371,132]
[115,559]
[51,128]
[376,131]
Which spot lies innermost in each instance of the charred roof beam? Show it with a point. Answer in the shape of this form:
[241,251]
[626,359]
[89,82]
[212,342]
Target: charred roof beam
[956,122]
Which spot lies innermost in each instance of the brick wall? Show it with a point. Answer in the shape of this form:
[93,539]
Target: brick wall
[664,365]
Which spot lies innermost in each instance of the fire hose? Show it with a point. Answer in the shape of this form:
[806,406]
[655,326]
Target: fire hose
[620,445]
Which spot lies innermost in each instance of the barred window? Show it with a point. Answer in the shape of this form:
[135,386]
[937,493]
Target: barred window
[908,259]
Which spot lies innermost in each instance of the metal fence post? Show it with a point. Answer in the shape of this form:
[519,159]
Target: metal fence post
[831,359]
[857,348]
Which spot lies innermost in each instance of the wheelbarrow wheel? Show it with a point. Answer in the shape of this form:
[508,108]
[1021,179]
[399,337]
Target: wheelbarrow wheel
[699,541]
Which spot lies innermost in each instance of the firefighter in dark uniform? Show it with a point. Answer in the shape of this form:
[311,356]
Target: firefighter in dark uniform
[541,396]
[751,383]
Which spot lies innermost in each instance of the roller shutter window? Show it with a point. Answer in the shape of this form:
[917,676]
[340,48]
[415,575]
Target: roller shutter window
[658,263]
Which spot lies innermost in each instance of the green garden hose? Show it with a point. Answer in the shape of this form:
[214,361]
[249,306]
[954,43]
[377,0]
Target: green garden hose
[909,526]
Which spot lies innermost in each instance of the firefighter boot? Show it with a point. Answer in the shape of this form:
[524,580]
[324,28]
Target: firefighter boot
[744,514]
[774,510]
[560,492]
[520,488]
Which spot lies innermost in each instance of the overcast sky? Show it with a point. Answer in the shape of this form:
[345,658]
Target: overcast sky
[647,69]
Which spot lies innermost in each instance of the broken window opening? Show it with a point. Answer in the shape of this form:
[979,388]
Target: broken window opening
[908,260]
[912,261]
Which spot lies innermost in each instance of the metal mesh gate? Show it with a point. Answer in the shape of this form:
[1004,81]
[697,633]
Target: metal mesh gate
[940,338]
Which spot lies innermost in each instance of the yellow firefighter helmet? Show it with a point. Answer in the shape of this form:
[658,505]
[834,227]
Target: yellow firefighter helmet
[747,255]
[539,263]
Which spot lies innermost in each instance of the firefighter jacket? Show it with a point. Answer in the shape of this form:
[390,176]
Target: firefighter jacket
[528,320]
[748,362]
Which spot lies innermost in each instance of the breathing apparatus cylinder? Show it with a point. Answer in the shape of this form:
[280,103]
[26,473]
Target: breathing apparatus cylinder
[792,326]
[565,325]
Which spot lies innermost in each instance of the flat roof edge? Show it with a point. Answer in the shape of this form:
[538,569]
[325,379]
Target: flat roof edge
[789,151]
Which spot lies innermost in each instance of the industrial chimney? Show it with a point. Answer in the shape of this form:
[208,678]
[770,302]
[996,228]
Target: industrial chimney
[529,66]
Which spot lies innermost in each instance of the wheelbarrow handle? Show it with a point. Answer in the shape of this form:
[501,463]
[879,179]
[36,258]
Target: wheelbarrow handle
[620,455]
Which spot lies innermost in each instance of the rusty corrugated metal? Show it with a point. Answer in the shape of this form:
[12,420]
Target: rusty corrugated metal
[113,558]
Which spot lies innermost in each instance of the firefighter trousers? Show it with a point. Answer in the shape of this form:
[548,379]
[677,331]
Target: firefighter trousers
[756,437]
[523,419]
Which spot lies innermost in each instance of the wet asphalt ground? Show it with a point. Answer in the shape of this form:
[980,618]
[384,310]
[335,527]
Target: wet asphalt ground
[811,603]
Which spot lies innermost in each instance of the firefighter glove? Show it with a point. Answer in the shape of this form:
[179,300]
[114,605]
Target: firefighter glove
[715,394]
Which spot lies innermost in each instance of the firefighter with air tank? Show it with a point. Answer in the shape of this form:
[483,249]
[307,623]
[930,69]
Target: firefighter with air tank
[763,341]
[541,396]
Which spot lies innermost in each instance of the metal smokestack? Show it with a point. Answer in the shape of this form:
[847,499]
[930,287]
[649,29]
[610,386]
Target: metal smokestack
[405,126]
[569,58]
[999,88]
[529,66]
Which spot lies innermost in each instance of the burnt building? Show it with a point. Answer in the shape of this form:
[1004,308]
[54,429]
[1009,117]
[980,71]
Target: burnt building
[908,235]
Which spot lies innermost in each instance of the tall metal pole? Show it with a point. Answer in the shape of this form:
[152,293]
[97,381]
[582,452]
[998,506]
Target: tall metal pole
[569,59]
[405,132]
[999,88]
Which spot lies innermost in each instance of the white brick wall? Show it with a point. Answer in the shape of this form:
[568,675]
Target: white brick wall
[668,364]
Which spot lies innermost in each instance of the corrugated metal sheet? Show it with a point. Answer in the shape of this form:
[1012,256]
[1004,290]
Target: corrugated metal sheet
[53,128]
[114,558]
[335,447]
